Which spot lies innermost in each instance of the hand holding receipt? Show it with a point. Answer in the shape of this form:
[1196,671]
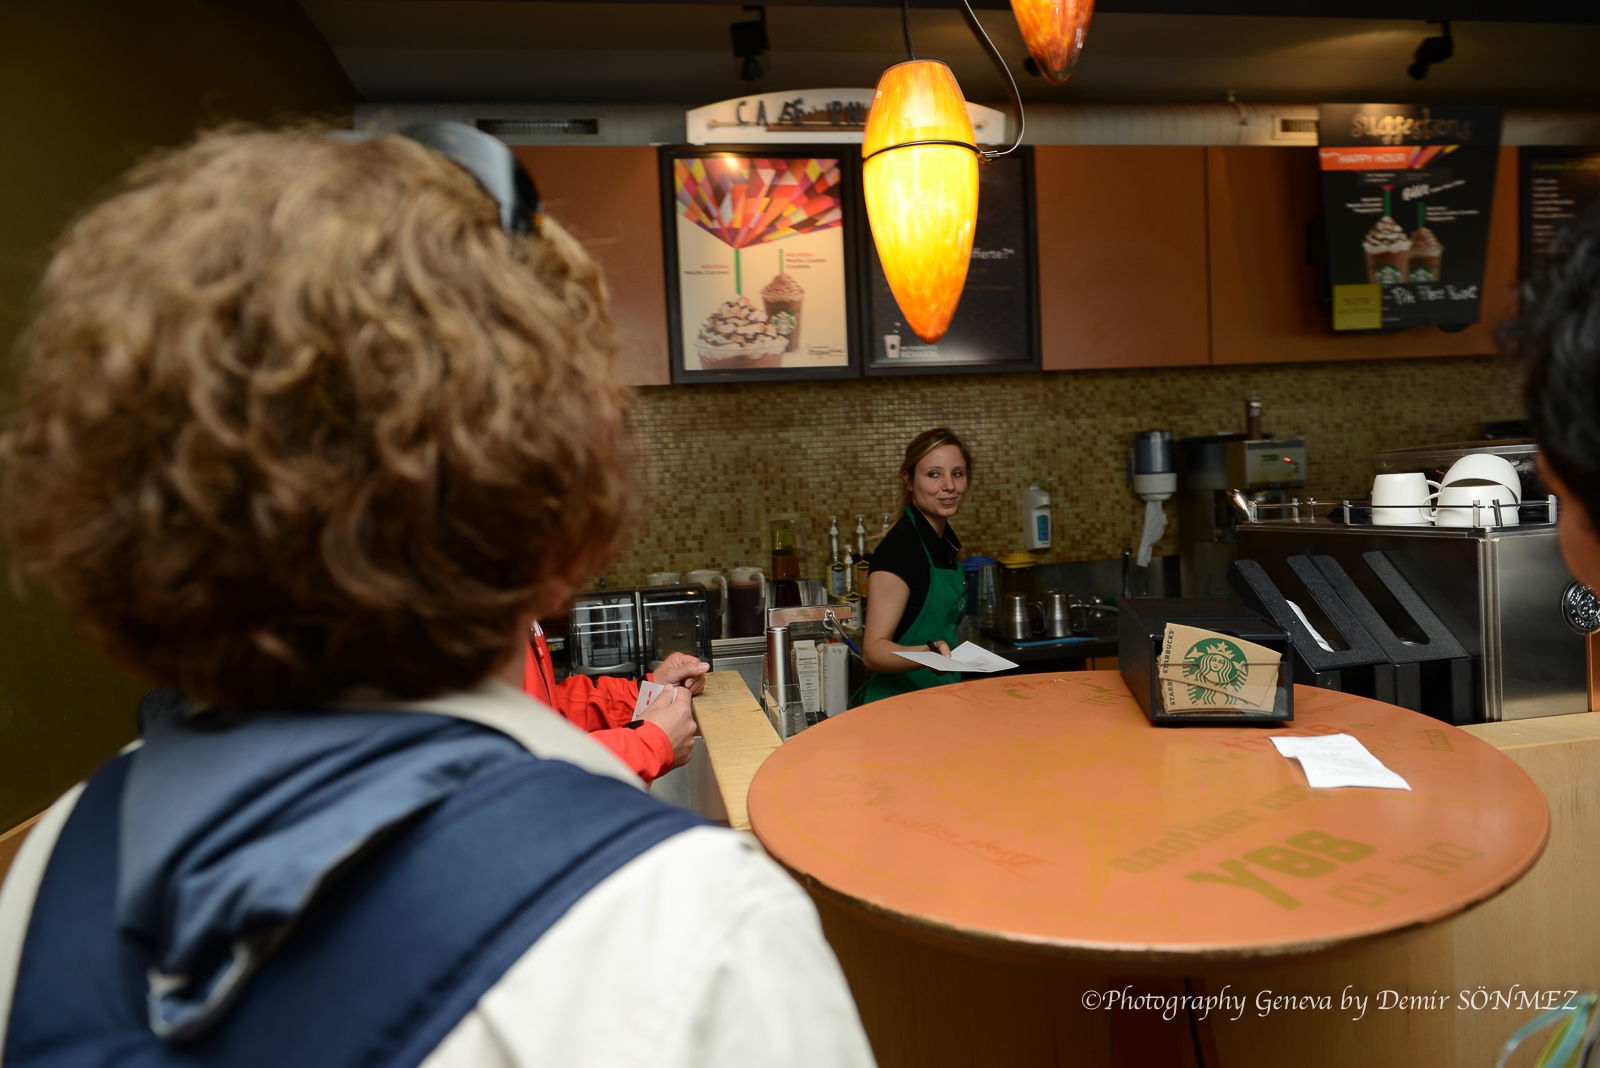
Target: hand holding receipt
[966,657]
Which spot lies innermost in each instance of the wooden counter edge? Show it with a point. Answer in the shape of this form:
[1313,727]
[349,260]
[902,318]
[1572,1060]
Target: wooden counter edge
[738,740]
[1521,733]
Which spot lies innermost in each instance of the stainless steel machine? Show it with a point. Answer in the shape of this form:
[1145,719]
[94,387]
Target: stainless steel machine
[1502,592]
[1266,471]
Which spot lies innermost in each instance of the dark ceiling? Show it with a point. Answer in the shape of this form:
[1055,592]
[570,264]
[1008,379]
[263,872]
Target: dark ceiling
[1138,50]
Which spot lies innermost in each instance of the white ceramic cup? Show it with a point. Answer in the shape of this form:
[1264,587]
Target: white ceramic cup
[1456,507]
[1402,500]
[663,578]
[1485,467]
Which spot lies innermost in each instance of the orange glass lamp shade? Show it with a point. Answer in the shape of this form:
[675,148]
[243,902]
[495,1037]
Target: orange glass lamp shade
[922,200]
[1055,31]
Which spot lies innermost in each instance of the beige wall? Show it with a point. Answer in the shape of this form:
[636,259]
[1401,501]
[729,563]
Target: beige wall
[85,89]
[719,461]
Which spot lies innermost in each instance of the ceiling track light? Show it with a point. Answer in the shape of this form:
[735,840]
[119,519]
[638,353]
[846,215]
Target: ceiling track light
[1432,50]
[750,43]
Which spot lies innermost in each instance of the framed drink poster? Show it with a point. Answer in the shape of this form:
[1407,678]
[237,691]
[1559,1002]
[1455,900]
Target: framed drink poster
[760,275]
[996,325]
[1406,192]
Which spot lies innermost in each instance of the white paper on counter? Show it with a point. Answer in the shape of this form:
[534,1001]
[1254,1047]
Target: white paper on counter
[648,692]
[964,657]
[1339,760]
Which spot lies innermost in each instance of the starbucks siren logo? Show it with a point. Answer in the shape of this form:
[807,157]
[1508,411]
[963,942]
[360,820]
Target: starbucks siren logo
[1216,664]
[783,322]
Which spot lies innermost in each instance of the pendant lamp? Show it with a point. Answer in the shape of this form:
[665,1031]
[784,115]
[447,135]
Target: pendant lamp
[1054,31]
[922,197]
[919,175]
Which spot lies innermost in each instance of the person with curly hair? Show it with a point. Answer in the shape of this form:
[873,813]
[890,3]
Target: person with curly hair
[1557,339]
[313,428]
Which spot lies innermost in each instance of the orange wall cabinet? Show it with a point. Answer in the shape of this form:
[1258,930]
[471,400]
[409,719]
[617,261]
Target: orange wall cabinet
[1149,256]
[1122,255]
[609,198]
[1265,306]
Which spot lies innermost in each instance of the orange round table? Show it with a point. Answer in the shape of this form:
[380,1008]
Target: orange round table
[1045,813]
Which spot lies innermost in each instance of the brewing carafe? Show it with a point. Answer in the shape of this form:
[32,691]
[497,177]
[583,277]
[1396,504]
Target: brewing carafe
[716,596]
[747,602]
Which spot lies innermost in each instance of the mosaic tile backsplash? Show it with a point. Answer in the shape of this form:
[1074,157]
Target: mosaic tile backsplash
[718,462]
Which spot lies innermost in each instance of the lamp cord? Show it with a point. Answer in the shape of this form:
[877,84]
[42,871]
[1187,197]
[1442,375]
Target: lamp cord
[1011,83]
[905,28]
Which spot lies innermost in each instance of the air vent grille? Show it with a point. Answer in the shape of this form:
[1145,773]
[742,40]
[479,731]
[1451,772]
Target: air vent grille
[519,128]
[1287,128]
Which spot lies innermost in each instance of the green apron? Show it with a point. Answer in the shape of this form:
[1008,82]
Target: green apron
[941,613]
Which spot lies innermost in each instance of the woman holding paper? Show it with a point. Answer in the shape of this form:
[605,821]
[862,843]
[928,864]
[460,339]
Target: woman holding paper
[661,739]
[918,591]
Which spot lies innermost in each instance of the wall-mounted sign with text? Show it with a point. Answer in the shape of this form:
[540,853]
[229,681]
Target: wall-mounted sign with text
[807,116]
[761,278]
[1406,193]
[1559,185]
[996,326]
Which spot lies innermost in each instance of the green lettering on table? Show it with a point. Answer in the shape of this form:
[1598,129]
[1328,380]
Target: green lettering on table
[1290,862]
[1242,877]
[1341,849]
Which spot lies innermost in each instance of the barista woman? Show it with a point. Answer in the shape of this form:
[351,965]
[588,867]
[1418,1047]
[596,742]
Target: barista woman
[918,592]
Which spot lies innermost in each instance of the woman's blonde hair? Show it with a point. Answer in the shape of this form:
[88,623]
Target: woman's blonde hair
[922,445]
[300,417]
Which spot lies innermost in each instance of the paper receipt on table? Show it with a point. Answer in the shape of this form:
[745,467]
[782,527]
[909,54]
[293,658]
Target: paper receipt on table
[649,692]
[1338,760]
[1201,670]
[964,657]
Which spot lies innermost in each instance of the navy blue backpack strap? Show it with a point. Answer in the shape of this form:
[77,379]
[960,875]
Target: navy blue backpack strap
[380,968]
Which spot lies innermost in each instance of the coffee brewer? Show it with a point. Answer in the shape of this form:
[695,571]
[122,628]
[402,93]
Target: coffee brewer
[1265,471]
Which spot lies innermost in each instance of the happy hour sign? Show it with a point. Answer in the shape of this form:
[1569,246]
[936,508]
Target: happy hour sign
[1406,196]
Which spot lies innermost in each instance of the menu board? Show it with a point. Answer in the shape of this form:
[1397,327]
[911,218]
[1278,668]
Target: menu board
[1406,194]
[1558,186]
[760,275]
[996,325]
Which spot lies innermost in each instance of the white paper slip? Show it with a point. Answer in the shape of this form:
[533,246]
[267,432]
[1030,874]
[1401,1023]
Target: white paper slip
[648,693]
[1339,760]
[964,657]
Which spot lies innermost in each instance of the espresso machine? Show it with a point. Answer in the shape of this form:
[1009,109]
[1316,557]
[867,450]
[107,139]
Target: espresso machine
[1265,470]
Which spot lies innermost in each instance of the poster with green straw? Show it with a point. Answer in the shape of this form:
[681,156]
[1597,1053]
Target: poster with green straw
[758,277]
[1406,192]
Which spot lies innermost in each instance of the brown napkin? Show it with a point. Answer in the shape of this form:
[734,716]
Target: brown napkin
[1203,671]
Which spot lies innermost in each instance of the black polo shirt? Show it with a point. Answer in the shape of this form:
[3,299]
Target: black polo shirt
[900,553]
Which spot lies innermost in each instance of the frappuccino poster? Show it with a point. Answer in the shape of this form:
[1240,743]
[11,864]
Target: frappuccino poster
[757,261]
[1406,193]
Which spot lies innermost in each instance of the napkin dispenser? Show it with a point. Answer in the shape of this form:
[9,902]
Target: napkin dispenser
[1142,625]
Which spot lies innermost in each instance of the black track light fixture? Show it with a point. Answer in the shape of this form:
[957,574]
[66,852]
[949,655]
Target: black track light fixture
[1432,50]
[750,43]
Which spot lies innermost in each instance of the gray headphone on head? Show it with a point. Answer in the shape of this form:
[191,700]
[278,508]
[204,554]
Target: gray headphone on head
[487,159]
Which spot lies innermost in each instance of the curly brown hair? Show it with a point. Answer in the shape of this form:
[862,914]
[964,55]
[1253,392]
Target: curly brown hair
[300,417]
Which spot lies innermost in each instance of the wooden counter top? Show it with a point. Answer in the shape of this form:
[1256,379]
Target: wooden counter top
[738,740]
